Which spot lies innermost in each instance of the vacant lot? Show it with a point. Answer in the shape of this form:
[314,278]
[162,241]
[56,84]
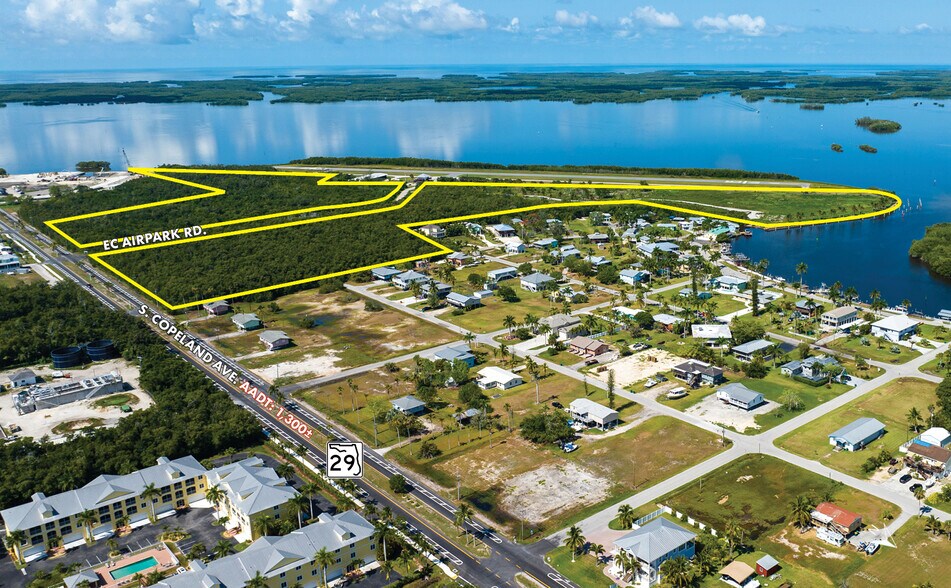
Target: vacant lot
[889,404]
[921,557]
[330,332]
[510,480]
[756,491]
[491,316]
[853,346]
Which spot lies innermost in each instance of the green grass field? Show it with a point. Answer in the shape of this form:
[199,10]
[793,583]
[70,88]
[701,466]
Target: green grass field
[756,490]
[774,385]
[853,346]
[8,281]
[116,400]
[889,404]
[584,571]
[921,557]
[490,317]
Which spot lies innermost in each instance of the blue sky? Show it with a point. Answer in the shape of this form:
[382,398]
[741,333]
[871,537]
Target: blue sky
[130,34]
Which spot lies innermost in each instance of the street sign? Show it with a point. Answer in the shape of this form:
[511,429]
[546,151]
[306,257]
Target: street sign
[344,460]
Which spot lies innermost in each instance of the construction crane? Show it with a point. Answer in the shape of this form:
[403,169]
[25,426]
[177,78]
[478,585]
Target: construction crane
[128,163]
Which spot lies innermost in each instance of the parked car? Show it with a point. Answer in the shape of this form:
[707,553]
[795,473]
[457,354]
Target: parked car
[660,378]
[893,461]
[914,487]
[591,361]
[905,479]
[557,404]
[892,470]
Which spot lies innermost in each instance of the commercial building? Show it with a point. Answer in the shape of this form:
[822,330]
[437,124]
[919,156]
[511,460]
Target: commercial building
[40,396]
[251,491]
[283,561]
[23,378]
[857,434]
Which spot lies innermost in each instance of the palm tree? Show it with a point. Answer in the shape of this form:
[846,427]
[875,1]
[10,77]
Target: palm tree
[285,470]
[149,493]
[382,533]
[258,581]
[677,572]
[509,322]
[933,525]
[121,522]
[215,495]
[311,489]
[463,514]
[626,516]
[155,577]
[14,540]
[263,526]
[574,540]
[468,337]
[196,551]
[598,551]
[801,511]
[914,419]
[299,504]
[733,534]
[86,519]
[324,559]
[801,269]
[919,493]
[222,548]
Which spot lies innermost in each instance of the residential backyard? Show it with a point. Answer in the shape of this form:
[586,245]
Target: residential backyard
[756,491]
[921,557]
[889,404]
[775,385]
[491,316]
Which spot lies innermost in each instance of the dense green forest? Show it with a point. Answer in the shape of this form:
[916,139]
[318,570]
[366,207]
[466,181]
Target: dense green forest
[190,415]
[245,196]
[580,88]
[935,249]
[418,162]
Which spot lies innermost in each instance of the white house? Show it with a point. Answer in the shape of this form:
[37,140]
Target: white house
[894,328]
[839,318]
[740,396]
[496,377]
[515,247]
[23,378]
[592,413]
[536,282]
[405,280]
[857,434]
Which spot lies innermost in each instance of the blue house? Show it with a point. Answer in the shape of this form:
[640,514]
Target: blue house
[655,543]
[409,405]
[460,352]
[384,273]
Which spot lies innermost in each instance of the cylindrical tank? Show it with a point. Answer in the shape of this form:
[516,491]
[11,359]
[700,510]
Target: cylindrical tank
[101,350]
[67,357]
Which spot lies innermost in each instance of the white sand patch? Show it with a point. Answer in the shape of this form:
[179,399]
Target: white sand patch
[718,412]
[309,365]
[537,495]
[639,366]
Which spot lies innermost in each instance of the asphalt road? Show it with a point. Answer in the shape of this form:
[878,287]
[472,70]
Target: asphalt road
[507,558]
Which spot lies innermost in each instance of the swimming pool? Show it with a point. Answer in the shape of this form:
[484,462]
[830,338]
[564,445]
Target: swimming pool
[133,568]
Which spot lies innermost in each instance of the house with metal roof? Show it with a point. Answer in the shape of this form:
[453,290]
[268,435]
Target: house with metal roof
[593,414]
[217,308]
[568,251]
[497,275]
[251,491]
[247,321]
[711,333]
[502,230]
[23,378]
[463,301]
[746,351]
[496,377]
[815,369]
[836,518]
[857,434]
[944,314]
[347,536]
[738,395]
[839,318]
[599,238]
[457,353]
[895,328]
[442,289]
[409,405]
[433,231]
[274,339]
[562,323]
[655,543]
[729,284]
[633,277]
[458,258]
[405,280]
[767,565]
[546,243]
[665,246]
[384,273]
[536,282]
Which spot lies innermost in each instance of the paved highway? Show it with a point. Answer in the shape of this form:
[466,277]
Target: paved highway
[507,558]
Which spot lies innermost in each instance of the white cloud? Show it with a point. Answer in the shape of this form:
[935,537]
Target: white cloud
[151,21]
[579,20]
[433,17]
[513,27]
[918,28]
[743,24]
[62,19]
[652,17]
[302,11]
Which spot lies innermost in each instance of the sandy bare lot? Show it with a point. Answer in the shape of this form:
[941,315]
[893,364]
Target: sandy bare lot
[639,366]
[40,423]
[543,492]
[718,412]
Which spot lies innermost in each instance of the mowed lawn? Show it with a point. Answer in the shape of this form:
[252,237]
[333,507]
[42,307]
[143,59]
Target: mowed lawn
[920,557]
[889,404]
[756,491]
[853,346]
[336,324]
[775,384]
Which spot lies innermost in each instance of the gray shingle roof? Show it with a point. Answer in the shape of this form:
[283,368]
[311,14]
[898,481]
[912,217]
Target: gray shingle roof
[655,540]
[273,556]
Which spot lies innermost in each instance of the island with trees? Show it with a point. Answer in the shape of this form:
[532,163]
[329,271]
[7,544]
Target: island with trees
[934,249]
[878,125]
[868,148]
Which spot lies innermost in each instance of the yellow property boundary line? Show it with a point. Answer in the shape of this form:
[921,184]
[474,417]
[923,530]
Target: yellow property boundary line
[409,227]
[159,173]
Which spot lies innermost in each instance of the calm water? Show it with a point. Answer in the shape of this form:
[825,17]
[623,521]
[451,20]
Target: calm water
[714,132]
